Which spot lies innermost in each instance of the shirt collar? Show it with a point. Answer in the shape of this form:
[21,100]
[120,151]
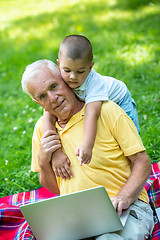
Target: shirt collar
[74,119]
[84,85]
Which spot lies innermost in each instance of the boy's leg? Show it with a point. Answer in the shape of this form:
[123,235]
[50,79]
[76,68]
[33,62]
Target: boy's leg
[127,103]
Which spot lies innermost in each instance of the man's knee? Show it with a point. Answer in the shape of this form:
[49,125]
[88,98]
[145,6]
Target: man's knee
[109,236]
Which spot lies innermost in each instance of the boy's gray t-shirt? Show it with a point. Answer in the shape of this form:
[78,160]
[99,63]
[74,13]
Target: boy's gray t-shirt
[100,88]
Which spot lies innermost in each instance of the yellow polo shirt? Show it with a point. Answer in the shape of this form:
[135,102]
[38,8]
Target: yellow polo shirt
[116,138]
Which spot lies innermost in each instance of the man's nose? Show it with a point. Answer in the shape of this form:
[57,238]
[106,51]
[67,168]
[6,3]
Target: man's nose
[52,97]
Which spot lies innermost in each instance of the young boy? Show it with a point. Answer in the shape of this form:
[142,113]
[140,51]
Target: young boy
[75,61]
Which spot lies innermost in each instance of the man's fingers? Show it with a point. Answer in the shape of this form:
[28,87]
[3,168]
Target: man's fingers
[49,133]
[119,205]
[49,141]
[120,208]
[55,147]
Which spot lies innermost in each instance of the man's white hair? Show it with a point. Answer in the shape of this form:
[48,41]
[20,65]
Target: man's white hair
[33,69]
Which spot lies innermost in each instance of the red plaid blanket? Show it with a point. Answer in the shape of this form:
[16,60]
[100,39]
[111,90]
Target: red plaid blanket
[14,227]
[152,187]
[12,223]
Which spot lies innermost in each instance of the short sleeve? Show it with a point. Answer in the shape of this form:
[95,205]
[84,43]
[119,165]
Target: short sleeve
[96,90]
[127,136]
[37,134]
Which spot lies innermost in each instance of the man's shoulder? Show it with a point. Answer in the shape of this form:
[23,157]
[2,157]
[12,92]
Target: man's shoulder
[111,107]
[112,111]
[39,125]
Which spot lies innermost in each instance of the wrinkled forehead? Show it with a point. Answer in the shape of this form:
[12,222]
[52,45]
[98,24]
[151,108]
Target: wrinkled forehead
[42,81]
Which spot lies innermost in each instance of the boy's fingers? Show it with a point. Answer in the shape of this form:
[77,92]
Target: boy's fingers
[81,157]
[60,173]
[77,151]
[68,162]
[63,172]
[56,172]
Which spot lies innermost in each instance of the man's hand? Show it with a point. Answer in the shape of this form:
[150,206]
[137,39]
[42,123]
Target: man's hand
[84,154]
[61,164]
[120,204]
[141,168]
[49,143]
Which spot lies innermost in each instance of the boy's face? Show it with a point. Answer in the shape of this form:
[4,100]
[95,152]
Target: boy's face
[74,72]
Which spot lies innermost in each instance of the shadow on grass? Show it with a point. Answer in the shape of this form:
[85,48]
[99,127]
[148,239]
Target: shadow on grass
[106,33]
[113,34]
[135,4]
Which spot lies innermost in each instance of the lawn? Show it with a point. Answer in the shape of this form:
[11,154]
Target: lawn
[126,42]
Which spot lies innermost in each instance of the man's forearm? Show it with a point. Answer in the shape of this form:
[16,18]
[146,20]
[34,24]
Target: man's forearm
[140,173]
[141,168]
[47,179]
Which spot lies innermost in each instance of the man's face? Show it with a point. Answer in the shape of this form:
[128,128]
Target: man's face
[51,92]
[74,72]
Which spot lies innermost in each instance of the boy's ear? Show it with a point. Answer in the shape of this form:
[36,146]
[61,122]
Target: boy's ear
[58,61]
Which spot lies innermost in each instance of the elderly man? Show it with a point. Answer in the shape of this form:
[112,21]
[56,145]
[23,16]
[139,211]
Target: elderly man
[119,161]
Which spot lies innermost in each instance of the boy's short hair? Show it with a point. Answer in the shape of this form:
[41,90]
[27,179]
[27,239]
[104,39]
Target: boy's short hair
[76,46]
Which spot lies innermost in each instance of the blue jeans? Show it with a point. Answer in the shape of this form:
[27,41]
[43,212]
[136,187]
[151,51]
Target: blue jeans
[128,104]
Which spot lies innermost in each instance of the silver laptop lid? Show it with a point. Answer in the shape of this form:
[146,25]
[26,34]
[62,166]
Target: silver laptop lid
[73,216]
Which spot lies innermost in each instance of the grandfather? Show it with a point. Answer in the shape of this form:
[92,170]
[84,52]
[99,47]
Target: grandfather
[119,161]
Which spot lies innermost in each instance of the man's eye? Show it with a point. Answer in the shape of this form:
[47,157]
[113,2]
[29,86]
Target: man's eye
[42,96]
[53,87]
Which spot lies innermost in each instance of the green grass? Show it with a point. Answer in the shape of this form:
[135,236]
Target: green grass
[125,36]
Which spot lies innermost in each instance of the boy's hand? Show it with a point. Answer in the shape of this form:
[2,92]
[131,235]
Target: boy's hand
[84,154]
[61,164]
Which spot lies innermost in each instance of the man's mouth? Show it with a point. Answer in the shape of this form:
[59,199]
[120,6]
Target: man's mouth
[59,105]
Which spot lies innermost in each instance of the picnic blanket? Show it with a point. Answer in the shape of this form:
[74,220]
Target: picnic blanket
[14,227]
[152,187]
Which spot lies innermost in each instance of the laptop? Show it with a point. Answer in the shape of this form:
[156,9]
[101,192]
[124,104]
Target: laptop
[73,216]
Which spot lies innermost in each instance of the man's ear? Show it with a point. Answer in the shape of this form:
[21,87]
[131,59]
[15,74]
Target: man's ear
[35,101]
[91,65]
[58,61]
[38,103]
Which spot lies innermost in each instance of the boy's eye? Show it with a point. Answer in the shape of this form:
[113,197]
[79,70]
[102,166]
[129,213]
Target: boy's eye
[66,70]
[81,72]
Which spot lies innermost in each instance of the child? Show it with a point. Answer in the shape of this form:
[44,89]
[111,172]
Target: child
[75,61]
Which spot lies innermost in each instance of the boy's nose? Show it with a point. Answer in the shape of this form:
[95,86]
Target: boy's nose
[73,75]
